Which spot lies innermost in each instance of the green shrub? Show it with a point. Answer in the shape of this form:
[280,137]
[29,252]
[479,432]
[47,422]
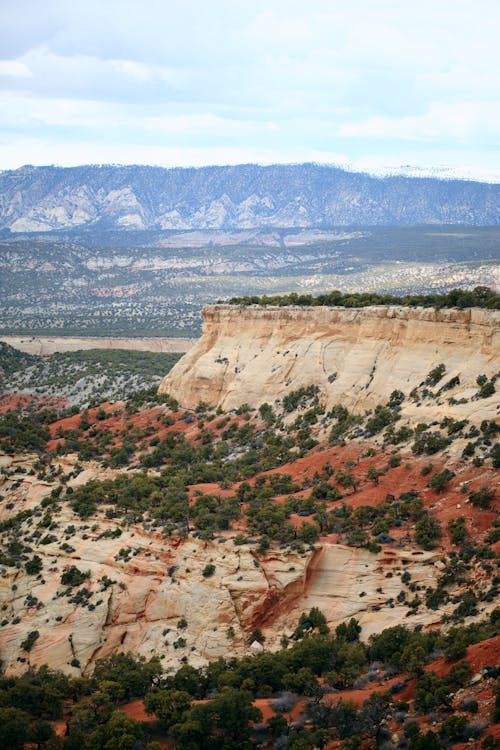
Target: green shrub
[34,566]
[71,576]
[428,531]
[435,375]
[482,498]
[29,641]
[439,481]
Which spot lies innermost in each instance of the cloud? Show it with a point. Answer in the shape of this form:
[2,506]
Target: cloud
[271,76]
[32,151]
[14,69]
[462,121]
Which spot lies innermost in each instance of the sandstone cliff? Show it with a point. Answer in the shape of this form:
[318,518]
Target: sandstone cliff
[356,356]
[141,586]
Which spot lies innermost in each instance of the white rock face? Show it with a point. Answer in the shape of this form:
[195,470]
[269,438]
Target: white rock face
[357,357]
[136,600]
[345,582]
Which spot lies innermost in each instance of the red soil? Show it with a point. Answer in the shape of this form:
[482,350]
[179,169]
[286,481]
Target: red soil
[478,656]
[135,710]
[24,401]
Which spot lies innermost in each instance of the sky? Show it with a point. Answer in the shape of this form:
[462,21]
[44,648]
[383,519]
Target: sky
[369,84]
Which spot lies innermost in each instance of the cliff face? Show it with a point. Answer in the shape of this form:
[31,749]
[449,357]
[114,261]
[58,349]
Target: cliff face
[356,356]
[135,602]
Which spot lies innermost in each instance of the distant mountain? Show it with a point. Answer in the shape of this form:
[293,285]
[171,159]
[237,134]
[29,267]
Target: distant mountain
[40,199]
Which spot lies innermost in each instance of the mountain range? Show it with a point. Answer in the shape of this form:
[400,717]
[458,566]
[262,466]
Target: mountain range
[41,199]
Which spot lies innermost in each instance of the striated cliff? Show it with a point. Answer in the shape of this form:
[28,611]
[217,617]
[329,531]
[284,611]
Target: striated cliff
[356,356]
[140,585]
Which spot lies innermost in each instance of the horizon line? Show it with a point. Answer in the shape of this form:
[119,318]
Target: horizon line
[437,172]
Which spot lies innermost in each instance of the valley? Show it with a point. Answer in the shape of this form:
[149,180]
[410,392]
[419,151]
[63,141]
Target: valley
[143,284]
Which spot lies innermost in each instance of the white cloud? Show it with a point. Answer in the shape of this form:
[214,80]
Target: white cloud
[461,121]
[269,77]
[14,69]
[32,151]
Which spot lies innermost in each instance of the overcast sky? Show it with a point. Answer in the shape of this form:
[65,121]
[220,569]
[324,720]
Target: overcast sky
[370,83]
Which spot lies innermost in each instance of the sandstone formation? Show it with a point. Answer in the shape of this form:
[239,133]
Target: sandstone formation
[140,586]
[46,345]
[136,602]
[357,357]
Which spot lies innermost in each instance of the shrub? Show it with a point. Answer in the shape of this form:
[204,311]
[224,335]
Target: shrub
[482,498]
[257,635]
[427,532]
[314,620]
[292,400]
[435,374]
[488,389]
[382,417]
[29,641]
[396,398]
[457,529]
[208,570]
[71,576]
[34,566]
[394,461]
[468,605]
[429,443]
[439,481]
[453,727]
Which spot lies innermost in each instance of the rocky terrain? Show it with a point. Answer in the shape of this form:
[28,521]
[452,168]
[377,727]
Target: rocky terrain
[133,585]
[81,377]
[38,199]
[284,537]
[356,357]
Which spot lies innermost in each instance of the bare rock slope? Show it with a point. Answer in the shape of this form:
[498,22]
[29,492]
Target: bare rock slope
[257,354]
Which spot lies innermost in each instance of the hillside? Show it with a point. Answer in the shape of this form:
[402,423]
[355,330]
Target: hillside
[40,199]
[82,377]
[155,283]
[320,571]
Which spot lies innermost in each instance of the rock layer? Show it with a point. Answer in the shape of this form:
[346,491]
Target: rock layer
[257,354]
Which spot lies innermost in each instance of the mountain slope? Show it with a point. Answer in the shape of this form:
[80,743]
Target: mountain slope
[245,196]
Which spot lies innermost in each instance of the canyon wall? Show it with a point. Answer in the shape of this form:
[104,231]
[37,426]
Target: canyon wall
[255,354]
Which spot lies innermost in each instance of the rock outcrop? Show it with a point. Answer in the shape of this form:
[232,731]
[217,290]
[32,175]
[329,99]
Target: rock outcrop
[156,600]
[141,592]
[357,357]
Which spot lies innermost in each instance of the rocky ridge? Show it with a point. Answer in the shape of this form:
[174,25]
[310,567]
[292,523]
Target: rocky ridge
[40,199]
